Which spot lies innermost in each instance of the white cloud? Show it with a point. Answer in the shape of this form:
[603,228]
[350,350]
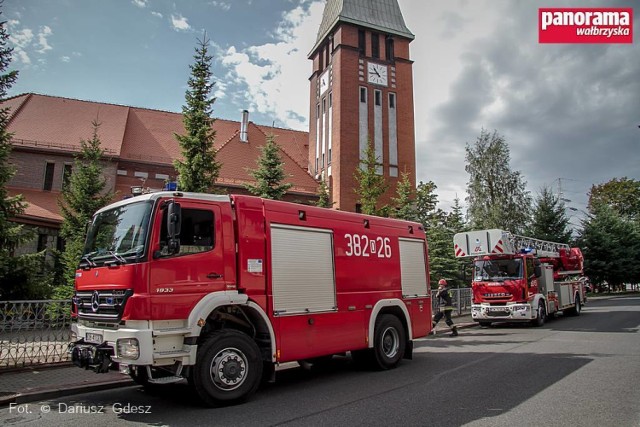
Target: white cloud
[140,3]
[180,23]
[65,59]
[156,14]
[271,73]
[221,4]
[43,44]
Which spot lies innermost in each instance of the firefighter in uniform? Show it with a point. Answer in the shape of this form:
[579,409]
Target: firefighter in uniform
[446,307]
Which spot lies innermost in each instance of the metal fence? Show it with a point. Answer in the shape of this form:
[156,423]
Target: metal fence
[38,332]
[461,299]
[34,332]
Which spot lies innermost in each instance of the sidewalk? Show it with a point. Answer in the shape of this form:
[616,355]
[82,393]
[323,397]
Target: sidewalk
[50,382]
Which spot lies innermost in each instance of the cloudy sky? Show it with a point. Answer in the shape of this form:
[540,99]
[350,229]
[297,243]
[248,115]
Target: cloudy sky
[570,113]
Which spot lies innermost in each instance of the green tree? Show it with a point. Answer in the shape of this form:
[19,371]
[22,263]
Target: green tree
[426,205]
[403,203]
[621,194]
[324,198]
[270,173]
[497,197]
[199,170]
[610,244]
[549,221]
[371,184]
[84,194]
[20,276]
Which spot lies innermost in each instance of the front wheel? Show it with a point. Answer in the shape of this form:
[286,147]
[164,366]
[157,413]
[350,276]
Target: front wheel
[542,315]
[228,368]
[575,311]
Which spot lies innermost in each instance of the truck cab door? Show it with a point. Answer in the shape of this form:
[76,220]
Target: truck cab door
[181,275]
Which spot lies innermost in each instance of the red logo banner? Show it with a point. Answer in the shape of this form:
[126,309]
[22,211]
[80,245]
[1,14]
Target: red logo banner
[585,25]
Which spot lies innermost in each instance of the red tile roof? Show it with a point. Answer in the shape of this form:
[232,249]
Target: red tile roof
[42,205]
[147,136]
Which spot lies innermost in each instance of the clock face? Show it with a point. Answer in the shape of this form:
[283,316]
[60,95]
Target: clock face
[377,73]
[324,82]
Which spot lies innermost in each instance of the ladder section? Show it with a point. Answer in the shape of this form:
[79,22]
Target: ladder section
[501,242]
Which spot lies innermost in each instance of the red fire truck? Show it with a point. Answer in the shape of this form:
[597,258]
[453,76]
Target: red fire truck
[221,289]
[520,279]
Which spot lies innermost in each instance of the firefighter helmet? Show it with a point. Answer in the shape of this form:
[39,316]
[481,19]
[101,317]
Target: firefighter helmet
[442,282]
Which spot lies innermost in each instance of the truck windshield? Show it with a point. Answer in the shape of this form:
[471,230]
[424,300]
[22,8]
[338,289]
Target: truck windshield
[497,270]
[117,235]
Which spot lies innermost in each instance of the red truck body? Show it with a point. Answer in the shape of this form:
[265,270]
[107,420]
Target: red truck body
[520,279]
[166,276]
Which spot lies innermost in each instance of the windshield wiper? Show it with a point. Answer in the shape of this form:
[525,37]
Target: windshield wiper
[87,259]
[119,259]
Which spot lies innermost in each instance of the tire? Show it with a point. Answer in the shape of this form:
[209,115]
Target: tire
[228,368]
[485,324]
[575,311]
[542,315]
[389,342]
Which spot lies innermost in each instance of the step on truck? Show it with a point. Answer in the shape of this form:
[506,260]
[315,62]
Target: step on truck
[219,290]
[520,279]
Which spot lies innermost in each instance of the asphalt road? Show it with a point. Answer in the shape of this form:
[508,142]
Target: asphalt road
[573,371]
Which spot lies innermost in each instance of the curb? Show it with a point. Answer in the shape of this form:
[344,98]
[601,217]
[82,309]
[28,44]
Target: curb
[31,396]
[458,325]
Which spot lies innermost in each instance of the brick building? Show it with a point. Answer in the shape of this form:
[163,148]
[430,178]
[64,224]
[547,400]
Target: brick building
[139,149]
[361,90]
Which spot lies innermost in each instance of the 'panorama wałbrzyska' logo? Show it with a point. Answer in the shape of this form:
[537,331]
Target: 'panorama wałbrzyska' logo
[585,25]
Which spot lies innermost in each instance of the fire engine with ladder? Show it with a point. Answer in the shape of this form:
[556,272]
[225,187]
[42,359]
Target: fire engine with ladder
[521,279]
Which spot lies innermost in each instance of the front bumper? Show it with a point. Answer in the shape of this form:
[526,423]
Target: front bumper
[506,313]
[88,352]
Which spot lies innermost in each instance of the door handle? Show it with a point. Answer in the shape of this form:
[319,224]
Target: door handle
[214,276]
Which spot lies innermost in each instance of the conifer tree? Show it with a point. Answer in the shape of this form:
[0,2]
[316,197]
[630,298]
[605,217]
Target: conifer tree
[371,184]
[81,198]
[324,199]
[199,170]
[549,221]
[269,174]
[403,203]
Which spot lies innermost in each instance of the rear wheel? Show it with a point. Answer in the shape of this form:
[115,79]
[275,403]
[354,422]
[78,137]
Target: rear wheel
[575,311]
[228,368]
[389,343]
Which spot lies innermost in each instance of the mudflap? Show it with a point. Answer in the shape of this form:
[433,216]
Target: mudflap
[91,356]
[408,351]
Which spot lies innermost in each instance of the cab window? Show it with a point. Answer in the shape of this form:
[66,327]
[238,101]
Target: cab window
[196,234]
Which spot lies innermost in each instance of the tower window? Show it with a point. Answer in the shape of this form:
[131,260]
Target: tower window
[361,42]
[389,48]
[330,99]
[328,56]
[378,97]
[392,100]
[320,59]
[375,45]
[48,176]
[363,95]
[317,111]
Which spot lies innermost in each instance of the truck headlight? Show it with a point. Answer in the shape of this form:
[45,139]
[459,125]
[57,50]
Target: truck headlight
[128,348]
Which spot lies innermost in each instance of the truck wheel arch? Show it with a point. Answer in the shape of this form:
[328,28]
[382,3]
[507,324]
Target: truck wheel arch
[392,306]
[210,303]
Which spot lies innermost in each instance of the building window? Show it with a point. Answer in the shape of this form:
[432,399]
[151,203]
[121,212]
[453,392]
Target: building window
[144,175]
[122,172]
[392,100]
[358,208]
[330,99]
[375,45]
[329,155]
[324,105]
[378,97]
[42,242]
[389,48]
[328,56]
[362,41]
[66,175]
[48,176]
[321,59]
[363,95]
[162,176]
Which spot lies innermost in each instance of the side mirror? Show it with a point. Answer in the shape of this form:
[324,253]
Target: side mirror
[537,271]
[174,220]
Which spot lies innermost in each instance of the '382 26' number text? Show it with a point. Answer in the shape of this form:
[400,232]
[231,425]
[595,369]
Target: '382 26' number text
[363,245]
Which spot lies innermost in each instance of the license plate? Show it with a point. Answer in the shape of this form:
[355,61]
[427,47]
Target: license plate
[94,338]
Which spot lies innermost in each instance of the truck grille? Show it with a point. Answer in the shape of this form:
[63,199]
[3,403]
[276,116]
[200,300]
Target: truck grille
[101,306]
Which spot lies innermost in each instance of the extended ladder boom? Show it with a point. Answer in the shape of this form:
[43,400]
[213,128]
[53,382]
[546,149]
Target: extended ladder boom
[494,241]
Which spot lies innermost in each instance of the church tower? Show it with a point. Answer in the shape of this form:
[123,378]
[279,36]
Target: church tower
[361,90]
